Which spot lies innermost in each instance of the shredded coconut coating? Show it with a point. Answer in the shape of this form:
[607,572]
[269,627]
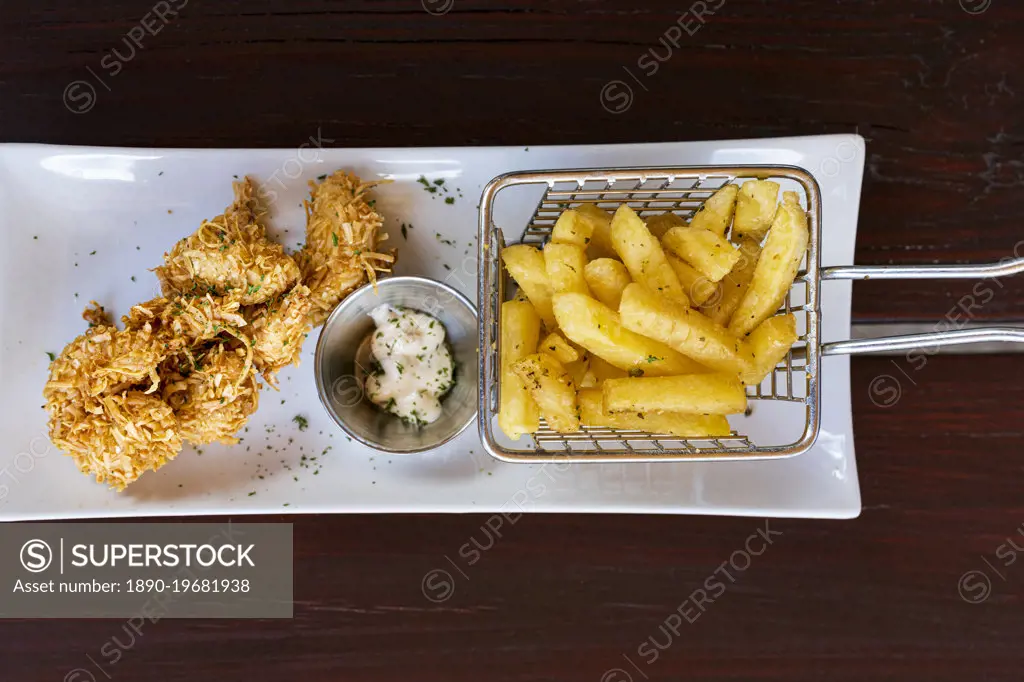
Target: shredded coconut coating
[229,255]
[342,234]
[215,400]
[116,438]
[106,360]
[96,315]
[103,408]
[278,329]
[194,319]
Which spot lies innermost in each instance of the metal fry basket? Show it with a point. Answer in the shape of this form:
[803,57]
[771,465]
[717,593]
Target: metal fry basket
[794,384]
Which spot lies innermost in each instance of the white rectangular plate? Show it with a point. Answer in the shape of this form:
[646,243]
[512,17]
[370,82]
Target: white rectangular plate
[82,223]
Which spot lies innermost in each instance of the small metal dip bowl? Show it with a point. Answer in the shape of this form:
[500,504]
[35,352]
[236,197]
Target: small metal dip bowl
[343,356]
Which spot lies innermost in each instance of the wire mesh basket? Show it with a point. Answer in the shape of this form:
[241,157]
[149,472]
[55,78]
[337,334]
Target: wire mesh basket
[794,383]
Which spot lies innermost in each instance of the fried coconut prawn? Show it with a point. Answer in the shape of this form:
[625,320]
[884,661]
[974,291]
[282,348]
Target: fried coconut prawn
[103,406]
[212,393]
[229,255]
[277,329]
[342,234]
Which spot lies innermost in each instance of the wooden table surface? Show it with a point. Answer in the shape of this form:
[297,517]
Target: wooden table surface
[934,86]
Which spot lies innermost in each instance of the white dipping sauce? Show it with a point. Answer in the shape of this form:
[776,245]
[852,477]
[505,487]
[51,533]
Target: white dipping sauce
[415,365]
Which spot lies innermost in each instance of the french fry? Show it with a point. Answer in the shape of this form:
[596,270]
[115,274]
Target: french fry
[592,414]
[597,328]
[520,327]
[526,265]
[661,223]
[571,229]
[602,369]
[643,255]
[769,343]
[684,330]
[555,344]
[693,394]
[606,279]
[564,264]
[716,213]
[552,389]
[755,208]
[708,253]
[578,370]
[600,230]
[733,286]
[699,288]
[776,268]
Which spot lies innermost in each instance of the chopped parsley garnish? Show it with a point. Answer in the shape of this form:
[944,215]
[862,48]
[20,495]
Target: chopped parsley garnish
[446,242]
[449,200]
[301,421]
[636,372]
[334,238]
[51,356]
[253,288]
[405,232]
[652,358]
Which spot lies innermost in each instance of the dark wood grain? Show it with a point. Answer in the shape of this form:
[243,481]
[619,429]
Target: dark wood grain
[934,89]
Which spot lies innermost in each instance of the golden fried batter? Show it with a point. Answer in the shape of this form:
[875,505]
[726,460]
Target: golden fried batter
[246,209]
[96,315]
[193,319]
[105,360]
[278,329]
[342,234]
[213,402]
[229,255]
[117,437]
[112,429]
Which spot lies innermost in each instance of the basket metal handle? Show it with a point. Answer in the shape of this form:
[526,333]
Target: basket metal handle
[956,337]
[1010,266]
